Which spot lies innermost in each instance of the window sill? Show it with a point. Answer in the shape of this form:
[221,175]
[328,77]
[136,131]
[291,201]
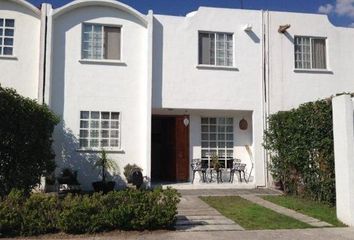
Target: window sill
[103,62]
[326,71]
[98,150]
[216,67]
[8,57]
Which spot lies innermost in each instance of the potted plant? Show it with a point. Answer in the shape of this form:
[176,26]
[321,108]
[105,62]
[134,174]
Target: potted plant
[215,162]
[104,164]
[68,177]
[49,185]
[128,170]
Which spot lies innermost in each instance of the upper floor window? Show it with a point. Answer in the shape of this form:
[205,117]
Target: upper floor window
[99,129]
[216,48]
[310,53]
[101,42]
[7,32]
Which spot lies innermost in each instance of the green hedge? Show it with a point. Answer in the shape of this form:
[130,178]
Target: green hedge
[300,142]
[124,210]
[26,129]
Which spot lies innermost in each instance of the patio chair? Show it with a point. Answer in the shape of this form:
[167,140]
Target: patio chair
[239,167]
[197,167]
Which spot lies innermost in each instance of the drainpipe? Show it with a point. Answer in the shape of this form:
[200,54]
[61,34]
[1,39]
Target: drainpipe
[267,90]
[148,112]
[265,84]
[42,50]
[47,55]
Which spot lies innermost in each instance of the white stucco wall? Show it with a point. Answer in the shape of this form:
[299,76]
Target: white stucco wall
[343,131]
[178,83]
[22,70]
[288,88]
[77,86]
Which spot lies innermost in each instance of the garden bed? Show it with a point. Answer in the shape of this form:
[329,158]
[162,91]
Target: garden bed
[78,214]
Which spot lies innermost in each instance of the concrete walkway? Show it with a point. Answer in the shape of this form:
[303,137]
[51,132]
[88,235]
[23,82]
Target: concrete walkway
[293,234]
[285,211]
[196,215]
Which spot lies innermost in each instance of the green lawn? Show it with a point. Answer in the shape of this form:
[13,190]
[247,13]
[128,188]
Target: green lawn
[311,208]
[252,216]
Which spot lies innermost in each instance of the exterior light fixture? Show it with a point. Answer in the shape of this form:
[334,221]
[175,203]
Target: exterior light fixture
[283,28]
[243,124]
[186,121]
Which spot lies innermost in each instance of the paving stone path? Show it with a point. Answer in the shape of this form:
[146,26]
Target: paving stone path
[285,211]
[195,215]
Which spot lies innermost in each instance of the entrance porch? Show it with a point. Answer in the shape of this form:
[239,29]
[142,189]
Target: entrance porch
[179,137]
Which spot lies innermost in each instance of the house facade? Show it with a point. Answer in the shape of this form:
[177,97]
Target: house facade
[159,91]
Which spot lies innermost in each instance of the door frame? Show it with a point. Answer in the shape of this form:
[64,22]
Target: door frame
[186,148]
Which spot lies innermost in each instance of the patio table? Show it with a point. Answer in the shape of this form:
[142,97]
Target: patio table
[218,174]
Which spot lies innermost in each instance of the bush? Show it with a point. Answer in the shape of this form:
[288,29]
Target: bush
[11,214]
[126,210]
[300,142]
[128,170]
[25,143]
[35,215]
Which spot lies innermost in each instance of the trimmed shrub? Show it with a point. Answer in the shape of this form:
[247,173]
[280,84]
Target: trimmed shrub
[11,214]
[300,142]
[40,214]
[75,214]
[26,129]
[128,210]
[37,214]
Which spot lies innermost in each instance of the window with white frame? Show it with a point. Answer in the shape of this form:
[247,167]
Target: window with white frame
[101,42]
[99,129]
[216,48]
[310,53]
[217,139]
[7,33]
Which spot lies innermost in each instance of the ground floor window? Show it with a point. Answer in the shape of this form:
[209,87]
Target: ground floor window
[217,138]
[99,129]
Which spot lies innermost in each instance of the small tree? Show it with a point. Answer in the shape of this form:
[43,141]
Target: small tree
[26,129]
[105,164]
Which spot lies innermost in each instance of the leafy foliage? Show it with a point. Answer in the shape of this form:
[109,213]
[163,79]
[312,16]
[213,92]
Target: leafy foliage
[128,170]
[105,164]
[25,145]
[300,142]
[129,210]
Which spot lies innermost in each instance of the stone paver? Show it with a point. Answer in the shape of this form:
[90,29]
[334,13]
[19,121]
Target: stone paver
[196,215]
[228,192]
[285,211]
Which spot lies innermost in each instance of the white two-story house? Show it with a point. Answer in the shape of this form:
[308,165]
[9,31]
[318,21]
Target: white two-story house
[159,91]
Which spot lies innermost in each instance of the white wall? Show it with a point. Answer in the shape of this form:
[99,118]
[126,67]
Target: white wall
[288,88]
[343,130]
[77,86]
[22,70]
[178,83]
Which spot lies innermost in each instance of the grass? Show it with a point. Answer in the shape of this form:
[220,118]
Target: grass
[311,208]
[252,216]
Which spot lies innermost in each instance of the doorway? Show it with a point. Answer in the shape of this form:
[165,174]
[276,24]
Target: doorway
[169,149]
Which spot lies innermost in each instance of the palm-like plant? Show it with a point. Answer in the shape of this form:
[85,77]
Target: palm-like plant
[105,164]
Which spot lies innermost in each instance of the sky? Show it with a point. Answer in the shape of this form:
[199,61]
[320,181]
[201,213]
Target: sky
[340,12]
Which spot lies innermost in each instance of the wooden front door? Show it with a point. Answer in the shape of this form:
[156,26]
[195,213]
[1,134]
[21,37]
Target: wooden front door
[182,150]
[170,149]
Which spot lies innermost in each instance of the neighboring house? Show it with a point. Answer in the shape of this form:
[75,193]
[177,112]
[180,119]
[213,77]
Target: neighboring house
[158,90]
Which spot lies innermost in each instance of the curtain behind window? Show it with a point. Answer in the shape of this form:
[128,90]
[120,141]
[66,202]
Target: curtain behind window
[319,53]
[206,48]
[112,43]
